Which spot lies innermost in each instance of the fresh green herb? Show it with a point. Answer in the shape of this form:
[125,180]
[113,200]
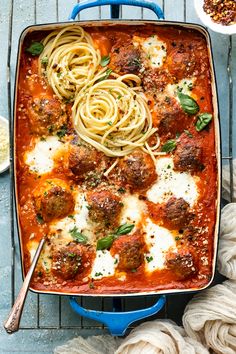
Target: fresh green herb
[44,61]
[106,76]
[40,274]
[203,120]
[51,128]
[177,135]
[78,236]
[59,74]
[169,146]
[188,104]
[71,255]
[188,133]
[116,261]
[109,123]
[124,229]
[35,48]
[105,60]
[45,193]
[91,285]
[105,242]
[121,190]
[42,138]
[133,270]
[71,216]
[136,62]
[98,274]
[177,238]
[149,259]
[119,97]
[39,219]
[62,132]
[167,99]
[168,166]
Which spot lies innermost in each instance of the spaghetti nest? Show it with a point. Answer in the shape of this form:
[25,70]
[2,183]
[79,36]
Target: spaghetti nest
[112,115]
[70,60]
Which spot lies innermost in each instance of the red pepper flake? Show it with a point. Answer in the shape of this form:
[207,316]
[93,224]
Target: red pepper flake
[221,11]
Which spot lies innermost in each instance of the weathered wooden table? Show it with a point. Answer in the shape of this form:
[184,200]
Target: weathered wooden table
[48,320]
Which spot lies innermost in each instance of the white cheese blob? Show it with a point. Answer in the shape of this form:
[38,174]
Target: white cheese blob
[154,48]
[104,265]
[79,220]
[159,241]
[132,211]
[171,183]
[184,85]
[40,159]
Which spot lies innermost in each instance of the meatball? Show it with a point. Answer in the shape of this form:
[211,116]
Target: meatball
[53,201]
[67,260]
[46,115]
[138,170]
[188,157]
[82,160]
[104,207]
[170,117]
[154,81]
[182,264]
[181,63]
[126,60]
[177,212]
[130,249]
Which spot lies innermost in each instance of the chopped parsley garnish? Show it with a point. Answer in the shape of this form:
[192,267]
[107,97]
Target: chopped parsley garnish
[149,259]
[44,61]
[62,131]
[39,219]
[78,236]
[105,60]
[121,190]
[98,274]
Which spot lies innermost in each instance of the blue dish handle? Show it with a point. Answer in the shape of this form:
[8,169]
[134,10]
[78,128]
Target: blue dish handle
[117,322]
[86,4]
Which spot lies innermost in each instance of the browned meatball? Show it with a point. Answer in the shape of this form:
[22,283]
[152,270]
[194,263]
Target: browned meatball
[182,264]
[154,81]
[67,260]
[177,212]
[188,157]
[126,59]
[138,170]
[130,249]
[104,207]
[82,160]
[181,60]
[170,116]
[46,115]
[54,203]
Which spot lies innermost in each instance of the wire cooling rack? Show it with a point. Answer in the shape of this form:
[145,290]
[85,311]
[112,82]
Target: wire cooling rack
[54,312]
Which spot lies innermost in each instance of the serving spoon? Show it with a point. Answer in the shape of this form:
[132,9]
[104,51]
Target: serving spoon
[12,323]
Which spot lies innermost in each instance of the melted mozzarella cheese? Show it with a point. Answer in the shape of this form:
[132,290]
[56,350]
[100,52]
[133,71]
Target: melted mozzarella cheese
[171,183]
[184,85]
[79,219]
[159,241]
[40,159]
[45,258]
[104,265]
[154,48]
[132,210]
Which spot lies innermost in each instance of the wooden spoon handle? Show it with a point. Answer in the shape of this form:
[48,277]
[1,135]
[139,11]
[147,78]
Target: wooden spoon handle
[13,321]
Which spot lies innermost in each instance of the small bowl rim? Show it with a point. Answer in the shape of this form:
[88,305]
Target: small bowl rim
[5,164]
[207,21]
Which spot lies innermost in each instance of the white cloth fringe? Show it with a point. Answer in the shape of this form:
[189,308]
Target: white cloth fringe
[227,242]
[210,317]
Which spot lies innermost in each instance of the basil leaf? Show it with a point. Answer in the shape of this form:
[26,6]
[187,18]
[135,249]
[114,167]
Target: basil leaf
[106,76]
[203,120]
[169,146]
[105,242]
[35,48]
[124,229]
[105,60]
[78,236]
[188,104]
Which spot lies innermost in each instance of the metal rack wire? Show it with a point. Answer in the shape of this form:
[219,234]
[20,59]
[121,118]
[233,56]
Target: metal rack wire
[175,304]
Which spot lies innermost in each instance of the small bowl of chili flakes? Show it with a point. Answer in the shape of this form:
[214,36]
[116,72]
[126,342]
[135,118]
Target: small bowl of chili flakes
[218,15]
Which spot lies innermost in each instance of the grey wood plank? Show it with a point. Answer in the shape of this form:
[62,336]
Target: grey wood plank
[174,10]
[68,316]
[131,12]
[65,8]
[105,12]
[233,98]
[46,11]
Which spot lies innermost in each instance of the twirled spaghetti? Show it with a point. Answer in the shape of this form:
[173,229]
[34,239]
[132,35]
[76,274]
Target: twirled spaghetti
[69,60]
[112,116]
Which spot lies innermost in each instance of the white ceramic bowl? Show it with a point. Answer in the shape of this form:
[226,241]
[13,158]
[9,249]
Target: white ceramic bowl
[5,164]
[208,22]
